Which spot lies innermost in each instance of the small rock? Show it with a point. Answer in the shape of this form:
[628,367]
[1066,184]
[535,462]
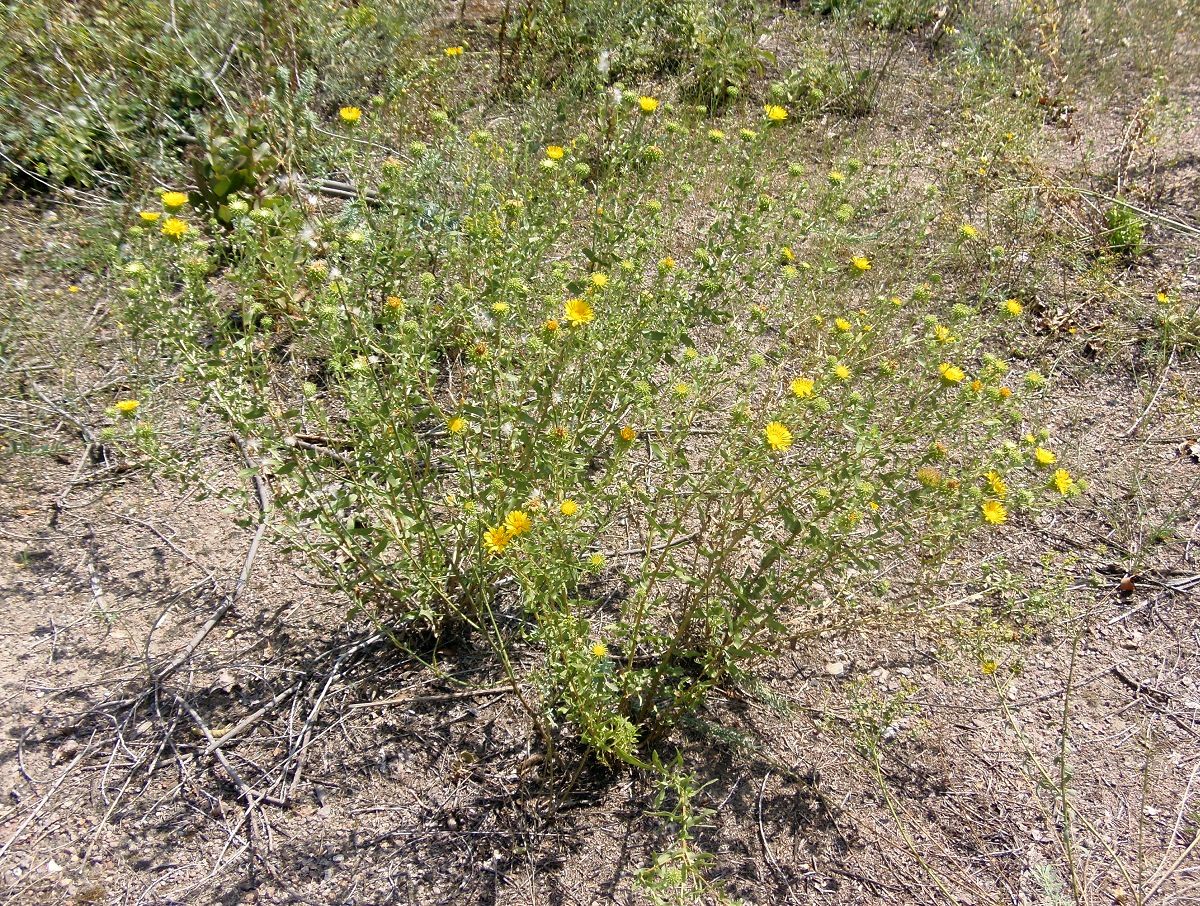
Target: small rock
[835,668]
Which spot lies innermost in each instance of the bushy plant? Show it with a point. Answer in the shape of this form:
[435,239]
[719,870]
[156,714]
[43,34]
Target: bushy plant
[500,398]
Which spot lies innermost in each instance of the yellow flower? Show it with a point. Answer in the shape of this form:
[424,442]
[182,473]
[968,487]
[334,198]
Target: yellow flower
[596,560]
[1063,483]
[716,135]
[996,484]
[554,152]
[786,254]
[518,522]
[628,434]
[453,51]
[149,216]
[861,263]
[579,312]
[174,228]
[350,115]
[457,425]
[568,507]
[942,334]
[599,280]
[599,650]
[841,372]
[951,374]
[802,387]
[395,303]
[1013,308]
[837,177]
[1044,457]
[993,512]
[173,201]
[988,666]
[500,308]
[968,231]
[127,407]
[551,325]
[778,436]
[648,104]
[667,263]
[1163,298]
[775,113]
[496,539]
[842,324]
[682,389]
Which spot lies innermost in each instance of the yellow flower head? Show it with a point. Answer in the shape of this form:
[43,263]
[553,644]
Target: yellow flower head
[350,115]
[1044,457]
[775,113]
[551,325]
[994,512]
[568,507]
[599,650]
[628,434]
[778,436]
[1012,308]
[596,560]
[787,255]
[457,425]
[149,216]
[841,372]
[173,201]
[861,263]
[842,324]
[127,407]
[667,263]
[988,666]
[1062,481]
[802,387]
[942,334]
[599,280]
[174,228]
[968,231]
[648,104]
[579,312]
[951,374]
[395,303]
[682,389]
[518,522]
[555,152]
[496,539]
[996,484]
[500,308]
[716,135]
[455,51]
[837,177]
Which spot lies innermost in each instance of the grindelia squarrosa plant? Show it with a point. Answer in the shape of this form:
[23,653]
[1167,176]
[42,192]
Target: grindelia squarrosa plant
[522,391]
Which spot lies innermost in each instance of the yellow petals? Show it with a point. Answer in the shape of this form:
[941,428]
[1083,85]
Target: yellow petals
[779,438]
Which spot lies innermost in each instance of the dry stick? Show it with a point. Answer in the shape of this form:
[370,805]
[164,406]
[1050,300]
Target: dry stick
[261,493]
[249,721]
[762,836]
[46,798]
[1162,379]
[441,697]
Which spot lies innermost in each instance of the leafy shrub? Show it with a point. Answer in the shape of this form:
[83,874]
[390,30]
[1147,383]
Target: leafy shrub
[494,403]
